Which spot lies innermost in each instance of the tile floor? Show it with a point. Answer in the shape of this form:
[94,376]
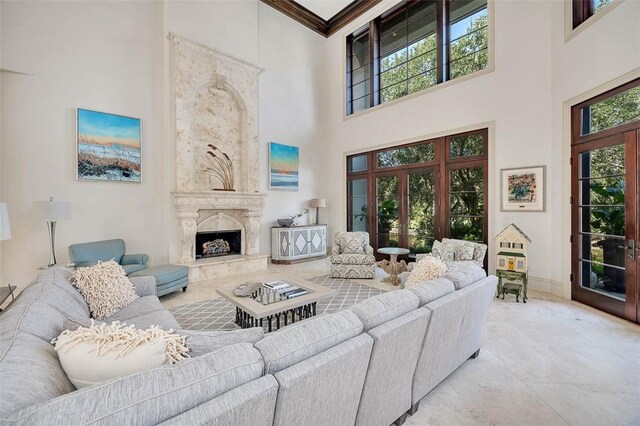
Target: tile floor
[549,362]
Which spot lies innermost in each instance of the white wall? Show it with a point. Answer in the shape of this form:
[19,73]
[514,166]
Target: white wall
[112,56]
[521,101]
[98,55]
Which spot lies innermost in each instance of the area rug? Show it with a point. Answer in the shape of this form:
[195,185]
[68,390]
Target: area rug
[218,314]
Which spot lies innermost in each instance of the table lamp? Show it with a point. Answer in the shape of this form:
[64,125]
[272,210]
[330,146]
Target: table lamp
[51,212]
[317,203]
[5,228]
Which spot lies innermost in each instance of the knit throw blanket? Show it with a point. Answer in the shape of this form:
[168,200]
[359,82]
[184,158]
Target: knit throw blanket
[123,339]
[105,288]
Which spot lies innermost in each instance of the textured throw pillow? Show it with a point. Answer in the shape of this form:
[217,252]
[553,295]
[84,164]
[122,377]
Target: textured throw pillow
[105,288]
[442,251]
[352,246]
[101,352]
[426,269]
[462,250]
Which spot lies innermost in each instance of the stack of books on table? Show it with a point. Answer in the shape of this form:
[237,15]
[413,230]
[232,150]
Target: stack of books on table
[286,291]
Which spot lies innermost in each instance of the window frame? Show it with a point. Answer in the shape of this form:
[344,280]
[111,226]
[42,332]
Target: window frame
[443,47]
[571,30]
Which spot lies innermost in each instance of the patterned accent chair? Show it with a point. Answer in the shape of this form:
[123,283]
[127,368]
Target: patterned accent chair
[352,256]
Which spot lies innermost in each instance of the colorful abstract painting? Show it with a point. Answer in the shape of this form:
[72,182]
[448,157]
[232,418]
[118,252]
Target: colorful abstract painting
[283,165]
[523,189]
[108,146]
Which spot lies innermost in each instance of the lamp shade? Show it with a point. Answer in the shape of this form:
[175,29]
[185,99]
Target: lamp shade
[5,228]
[51,210]
[318,202]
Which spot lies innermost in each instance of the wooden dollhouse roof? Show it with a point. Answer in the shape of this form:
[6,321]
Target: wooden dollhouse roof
[516,228]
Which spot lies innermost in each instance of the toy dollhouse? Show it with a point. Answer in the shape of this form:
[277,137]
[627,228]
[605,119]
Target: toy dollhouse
[511,246]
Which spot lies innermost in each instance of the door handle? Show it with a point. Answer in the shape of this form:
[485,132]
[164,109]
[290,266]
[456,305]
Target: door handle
[631,249]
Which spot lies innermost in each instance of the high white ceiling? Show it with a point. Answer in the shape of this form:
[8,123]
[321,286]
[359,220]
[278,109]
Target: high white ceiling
[324,8]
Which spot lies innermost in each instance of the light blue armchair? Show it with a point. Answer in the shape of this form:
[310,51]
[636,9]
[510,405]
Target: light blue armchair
[87,254]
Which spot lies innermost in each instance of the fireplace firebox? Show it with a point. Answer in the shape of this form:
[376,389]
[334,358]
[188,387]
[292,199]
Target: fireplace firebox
[218,243]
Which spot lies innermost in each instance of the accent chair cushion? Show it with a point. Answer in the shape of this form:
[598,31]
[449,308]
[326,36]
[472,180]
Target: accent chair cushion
[442,251]
[164,274]
[129,269]
[352,242]
[90,253]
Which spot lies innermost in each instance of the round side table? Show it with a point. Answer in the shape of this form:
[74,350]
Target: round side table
[392,266]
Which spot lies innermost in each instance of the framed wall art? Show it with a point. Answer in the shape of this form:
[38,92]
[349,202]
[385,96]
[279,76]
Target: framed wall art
[108,146]
[283,166]
[523,189]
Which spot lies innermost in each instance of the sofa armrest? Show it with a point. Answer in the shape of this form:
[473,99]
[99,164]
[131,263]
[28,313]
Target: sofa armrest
[145,286]
[134,259]
[335,250]
[368,250]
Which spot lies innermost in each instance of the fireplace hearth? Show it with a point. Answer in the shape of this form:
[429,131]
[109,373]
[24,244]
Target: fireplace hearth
[219,243]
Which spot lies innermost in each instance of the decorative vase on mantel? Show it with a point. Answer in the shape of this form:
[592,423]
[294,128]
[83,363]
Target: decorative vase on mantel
[221,168]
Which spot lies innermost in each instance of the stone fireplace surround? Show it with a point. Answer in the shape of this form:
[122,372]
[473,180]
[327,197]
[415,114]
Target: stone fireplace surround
[215,102]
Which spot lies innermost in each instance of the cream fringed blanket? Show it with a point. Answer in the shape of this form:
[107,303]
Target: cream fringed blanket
[105,288]
[123,339]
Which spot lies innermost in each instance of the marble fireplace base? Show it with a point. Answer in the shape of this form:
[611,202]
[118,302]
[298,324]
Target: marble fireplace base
[208,269]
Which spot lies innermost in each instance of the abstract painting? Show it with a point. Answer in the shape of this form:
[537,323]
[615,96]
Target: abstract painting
[283,166]
[523,189]
[108,146]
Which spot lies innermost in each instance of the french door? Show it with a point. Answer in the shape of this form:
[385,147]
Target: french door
[405,208]
[605,208]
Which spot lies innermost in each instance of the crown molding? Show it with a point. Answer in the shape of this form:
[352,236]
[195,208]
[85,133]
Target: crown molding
[314,22]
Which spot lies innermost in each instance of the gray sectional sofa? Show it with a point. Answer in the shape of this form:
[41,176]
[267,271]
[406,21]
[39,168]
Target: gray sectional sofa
[368,365]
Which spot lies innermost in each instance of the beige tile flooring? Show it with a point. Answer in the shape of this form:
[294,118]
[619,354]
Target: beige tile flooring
[549,362]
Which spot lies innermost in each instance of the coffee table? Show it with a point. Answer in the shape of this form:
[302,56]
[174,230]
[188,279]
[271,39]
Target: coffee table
[250,312]
[393,267]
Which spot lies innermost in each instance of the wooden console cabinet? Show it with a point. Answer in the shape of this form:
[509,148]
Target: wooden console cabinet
[298,243]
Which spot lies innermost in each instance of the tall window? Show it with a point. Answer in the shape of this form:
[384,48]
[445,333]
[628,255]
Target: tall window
[410,195]
[585,9]
[414,46]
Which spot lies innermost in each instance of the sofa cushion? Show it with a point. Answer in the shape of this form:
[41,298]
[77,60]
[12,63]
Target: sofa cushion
[30,373]
[164,274]
[152,396]
[466,275]
[130,269]
[203,342]
[385,307]
[90,253]
[432,290]
[291,345]
[140,306]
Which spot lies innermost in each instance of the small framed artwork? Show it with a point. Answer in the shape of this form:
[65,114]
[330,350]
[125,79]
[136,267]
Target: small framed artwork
[283,167]
[108,147]
[523,189]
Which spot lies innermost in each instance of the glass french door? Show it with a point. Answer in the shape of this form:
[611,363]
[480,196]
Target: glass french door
[405,209]
[605,224]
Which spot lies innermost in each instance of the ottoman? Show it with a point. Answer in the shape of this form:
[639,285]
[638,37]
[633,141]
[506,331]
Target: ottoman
[169,278]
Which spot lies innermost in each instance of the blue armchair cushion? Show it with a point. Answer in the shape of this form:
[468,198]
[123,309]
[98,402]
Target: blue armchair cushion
[90,253]
[134,259]
[130,269]
[165,274]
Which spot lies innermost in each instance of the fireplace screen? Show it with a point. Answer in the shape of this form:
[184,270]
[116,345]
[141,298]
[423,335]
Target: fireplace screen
[221,243]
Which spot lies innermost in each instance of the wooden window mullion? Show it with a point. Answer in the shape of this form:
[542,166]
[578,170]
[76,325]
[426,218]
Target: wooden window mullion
[374,62]
[442,31]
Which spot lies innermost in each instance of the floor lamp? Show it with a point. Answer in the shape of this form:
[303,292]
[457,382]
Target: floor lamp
[51,212]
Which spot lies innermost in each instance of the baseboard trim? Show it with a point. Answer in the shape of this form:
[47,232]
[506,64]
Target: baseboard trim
[546,285]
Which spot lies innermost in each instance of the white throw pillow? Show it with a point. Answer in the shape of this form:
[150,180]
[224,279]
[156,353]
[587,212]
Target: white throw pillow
[105,287]
[101,352]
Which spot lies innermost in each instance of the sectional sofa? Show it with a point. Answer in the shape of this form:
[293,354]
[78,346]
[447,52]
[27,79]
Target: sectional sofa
[368,365]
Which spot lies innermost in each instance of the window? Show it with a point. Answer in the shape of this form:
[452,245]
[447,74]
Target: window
[585,9]
[410,195]
[505,244]
[414,46]
[613,111]
[518,246]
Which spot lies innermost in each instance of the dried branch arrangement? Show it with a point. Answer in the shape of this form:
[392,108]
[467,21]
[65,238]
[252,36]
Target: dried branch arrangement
[221,167]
